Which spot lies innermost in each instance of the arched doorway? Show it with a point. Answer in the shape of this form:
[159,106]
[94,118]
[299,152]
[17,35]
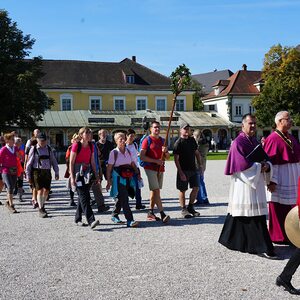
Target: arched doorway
[208,135]
[223,140]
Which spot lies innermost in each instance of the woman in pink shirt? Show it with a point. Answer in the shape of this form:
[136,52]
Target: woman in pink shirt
[8,163]
[82,162]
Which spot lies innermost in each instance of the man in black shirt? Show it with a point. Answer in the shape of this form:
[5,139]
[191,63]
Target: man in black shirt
[104,147]
[185,151]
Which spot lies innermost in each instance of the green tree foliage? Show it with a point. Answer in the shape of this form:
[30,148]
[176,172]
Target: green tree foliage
[281,89]
[22,101]
[197,102]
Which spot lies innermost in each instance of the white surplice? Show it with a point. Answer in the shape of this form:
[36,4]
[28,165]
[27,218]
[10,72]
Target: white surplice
[247,195]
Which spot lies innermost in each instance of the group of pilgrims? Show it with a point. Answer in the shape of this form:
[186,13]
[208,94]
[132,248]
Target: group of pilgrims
[255,179]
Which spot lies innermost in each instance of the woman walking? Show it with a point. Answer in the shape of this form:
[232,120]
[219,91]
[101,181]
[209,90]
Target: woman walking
[82,162]
[8,163]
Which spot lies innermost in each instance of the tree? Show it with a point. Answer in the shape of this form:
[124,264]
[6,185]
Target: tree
[197,102]
[22,101]
[281,89]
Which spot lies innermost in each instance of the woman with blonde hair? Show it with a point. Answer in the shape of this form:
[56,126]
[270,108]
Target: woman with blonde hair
[82,162]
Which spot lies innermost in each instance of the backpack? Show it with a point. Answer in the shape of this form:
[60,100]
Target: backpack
[149,141]
[35,151]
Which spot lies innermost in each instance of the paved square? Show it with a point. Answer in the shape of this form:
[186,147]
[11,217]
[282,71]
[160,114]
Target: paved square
[54,259]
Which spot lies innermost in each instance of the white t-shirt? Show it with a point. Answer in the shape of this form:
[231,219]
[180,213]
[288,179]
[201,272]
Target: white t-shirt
[133,148]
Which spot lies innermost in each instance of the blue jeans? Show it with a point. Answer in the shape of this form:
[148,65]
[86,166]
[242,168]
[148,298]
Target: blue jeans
[202,194]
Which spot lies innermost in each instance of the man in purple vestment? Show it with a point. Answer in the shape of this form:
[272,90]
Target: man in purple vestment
[284,152]
[245,228]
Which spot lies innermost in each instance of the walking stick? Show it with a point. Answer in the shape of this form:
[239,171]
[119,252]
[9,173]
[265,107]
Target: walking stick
[180,78]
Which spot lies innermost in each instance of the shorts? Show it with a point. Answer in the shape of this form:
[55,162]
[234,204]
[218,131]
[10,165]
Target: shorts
[155,181]
[192,180]
[10,182]
[41,179]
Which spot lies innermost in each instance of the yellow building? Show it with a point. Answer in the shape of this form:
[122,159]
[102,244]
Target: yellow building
[101,90]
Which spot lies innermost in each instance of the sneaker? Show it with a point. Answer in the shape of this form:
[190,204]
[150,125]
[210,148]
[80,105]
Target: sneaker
[21,198]
[0,203]
[132,223]
[117,220]
[34,204]
[192,211]
[95,224]
[152,217]
[139,207]
[81,224]
[72,203]
[186,214]
[103,208]
[42,213]
[166,219]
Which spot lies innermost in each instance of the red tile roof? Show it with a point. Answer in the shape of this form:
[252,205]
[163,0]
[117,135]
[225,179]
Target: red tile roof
[240,83]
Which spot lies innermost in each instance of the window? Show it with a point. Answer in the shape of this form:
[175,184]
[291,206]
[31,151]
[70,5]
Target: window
[161,103]
[95,103]
[66,102]
[238,110]
[251,109]
[180,104]
[141,103]
[211,107]
[130,79]
[119,103]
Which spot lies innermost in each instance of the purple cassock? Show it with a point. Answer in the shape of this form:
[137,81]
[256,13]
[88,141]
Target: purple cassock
[284,153]
[240,148]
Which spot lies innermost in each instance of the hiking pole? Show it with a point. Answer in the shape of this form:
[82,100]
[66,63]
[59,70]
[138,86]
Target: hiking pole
[180,79]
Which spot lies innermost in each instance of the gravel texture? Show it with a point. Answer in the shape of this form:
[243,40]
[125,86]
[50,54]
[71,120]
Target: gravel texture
[54,259]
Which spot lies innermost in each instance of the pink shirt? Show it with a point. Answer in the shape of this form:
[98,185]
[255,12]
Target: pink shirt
[84,156]
[122,159]
[7,159]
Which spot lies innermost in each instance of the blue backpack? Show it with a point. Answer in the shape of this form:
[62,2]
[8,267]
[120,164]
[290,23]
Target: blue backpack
[149,141]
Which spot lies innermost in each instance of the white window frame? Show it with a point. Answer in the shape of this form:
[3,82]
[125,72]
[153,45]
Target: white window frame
[130,79]
[184,102]
[91,98]
[144,98]
[235,110]
[65,97]
[120,98]
[160,98]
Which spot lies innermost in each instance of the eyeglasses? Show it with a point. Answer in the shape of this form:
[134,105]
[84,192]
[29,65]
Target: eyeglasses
[156,127]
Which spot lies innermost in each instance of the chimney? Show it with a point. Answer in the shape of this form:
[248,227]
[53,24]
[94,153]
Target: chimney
[133,58]
[244,66]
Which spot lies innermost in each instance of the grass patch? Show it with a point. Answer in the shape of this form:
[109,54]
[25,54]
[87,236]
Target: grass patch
[211,156]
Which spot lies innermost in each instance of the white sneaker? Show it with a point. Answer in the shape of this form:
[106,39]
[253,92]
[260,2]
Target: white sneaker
[185,213]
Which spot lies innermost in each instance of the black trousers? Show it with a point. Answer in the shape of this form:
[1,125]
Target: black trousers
[122,202]
[291,266]
[84,205]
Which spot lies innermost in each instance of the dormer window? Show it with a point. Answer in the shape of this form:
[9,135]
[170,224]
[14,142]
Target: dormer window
[130,79]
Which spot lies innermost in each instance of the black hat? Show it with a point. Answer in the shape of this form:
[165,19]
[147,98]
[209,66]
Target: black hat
[184,125]
[42,136]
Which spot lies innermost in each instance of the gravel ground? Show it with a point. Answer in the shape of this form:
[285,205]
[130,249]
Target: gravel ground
[54,259]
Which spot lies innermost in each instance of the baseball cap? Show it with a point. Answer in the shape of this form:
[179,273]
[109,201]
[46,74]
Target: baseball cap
[183,125]
[42,136]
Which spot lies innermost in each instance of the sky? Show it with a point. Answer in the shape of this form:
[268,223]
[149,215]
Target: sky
[162,34]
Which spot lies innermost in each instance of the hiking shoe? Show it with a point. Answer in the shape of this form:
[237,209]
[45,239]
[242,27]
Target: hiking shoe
[34,204]
[132,223]
[138,207]
[192,211]
[95,224]
[117,220]
[186,214]
[103,208]
[166,219]
[81,224]
[0,203]
[72,203]
[152,217]
[42,213]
